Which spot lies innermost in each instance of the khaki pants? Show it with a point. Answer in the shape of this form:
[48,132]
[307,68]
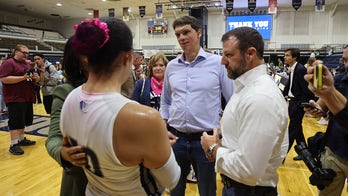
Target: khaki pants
[340,166]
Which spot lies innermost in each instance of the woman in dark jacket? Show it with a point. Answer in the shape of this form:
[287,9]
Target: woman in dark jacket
[148,91]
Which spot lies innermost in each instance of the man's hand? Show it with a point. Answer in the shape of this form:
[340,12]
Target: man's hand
[208,140]
[172,138]
[73,154]
[26,76]
[35,77]
[327,81]
[317,111]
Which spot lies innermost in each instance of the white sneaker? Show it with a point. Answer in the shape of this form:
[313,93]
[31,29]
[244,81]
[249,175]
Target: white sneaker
[167,190]
[191,177]
[322,121]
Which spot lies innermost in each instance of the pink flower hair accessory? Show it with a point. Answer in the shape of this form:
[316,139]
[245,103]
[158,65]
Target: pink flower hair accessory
[101,25]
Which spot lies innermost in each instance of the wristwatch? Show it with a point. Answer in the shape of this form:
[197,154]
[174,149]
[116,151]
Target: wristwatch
[211,149]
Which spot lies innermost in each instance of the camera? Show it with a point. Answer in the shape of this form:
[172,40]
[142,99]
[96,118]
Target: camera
[320,177]
[316,144]
[31,71]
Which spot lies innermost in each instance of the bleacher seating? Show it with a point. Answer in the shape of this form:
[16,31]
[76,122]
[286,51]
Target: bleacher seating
[299,46]
[10,43]
[10,36]
[54,59]
[332,60]
[10,31]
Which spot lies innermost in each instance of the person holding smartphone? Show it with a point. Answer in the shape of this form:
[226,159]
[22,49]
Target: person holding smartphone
[333,98]
[335,101]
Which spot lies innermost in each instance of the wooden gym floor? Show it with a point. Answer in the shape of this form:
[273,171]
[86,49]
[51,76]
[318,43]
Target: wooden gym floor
[36,173]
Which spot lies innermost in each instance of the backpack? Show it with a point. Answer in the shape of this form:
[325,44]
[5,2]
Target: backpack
[48,69]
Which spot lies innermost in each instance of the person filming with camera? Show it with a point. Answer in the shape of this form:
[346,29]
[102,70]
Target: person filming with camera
[19,95]
[332,99]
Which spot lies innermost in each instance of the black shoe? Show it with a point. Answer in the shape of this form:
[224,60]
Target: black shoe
[16,150]
[298,158]
[26,142]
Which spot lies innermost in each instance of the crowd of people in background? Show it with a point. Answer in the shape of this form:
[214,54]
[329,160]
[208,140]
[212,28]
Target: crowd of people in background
[174,134]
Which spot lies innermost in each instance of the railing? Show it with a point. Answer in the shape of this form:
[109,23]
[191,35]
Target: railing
[299,46]
[54,39]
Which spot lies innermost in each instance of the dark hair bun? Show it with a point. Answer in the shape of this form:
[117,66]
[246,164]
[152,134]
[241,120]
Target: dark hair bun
[89,37]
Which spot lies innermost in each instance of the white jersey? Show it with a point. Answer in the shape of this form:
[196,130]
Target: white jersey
[88,119]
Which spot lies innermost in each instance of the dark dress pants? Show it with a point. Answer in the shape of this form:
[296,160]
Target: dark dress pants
[38,96]
[47,101]
[296,114]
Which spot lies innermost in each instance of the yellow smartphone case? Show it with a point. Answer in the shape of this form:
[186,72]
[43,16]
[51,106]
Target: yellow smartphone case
[318,76]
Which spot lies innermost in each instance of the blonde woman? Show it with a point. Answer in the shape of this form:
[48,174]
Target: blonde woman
[148,91]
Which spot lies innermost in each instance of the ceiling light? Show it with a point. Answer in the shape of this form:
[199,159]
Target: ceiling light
[59,4]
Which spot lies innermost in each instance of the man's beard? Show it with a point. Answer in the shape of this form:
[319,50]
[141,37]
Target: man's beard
[234,74]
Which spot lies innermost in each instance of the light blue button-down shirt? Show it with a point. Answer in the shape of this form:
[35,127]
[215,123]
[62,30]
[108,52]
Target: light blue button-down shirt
[191,94]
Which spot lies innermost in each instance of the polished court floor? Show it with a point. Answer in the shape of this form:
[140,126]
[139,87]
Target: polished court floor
[36,173]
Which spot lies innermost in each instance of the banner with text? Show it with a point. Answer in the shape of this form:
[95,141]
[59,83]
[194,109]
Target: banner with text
[251,5]
[111,12]
[159,11]
[262,23]
[229,6]
[296,4]
[142,11]
[125,14]
[272,6]
[319,5]
[95,13]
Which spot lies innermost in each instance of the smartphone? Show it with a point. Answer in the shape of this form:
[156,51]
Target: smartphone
[308,105]
[311,106]
[318,76]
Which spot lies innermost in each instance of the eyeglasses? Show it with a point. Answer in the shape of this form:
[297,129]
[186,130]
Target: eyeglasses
[24,52]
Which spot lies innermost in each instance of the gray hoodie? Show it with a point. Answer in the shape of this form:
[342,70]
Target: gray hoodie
[50,79]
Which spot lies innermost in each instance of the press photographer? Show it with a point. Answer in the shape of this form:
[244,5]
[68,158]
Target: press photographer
[335,155]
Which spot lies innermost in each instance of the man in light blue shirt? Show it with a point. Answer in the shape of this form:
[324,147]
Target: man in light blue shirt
[194,84]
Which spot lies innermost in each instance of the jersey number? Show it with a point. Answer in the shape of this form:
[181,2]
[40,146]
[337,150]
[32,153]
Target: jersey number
[94,166]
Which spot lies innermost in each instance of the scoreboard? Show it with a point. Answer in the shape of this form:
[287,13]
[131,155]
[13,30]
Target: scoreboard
[157,26]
